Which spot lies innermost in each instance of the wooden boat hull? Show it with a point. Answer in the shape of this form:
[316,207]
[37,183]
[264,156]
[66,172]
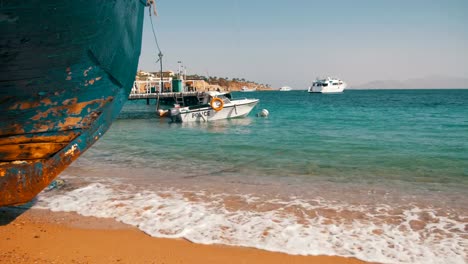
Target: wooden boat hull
[67,69]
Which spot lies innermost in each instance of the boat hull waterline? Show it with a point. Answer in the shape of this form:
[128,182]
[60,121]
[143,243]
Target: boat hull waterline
[235,109]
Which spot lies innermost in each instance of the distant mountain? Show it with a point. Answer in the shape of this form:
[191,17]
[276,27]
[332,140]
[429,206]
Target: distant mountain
[429,82]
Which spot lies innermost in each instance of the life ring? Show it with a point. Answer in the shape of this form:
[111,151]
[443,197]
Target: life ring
[219,106]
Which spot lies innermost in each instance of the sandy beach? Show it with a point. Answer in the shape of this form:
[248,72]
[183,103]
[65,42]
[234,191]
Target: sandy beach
[42,236]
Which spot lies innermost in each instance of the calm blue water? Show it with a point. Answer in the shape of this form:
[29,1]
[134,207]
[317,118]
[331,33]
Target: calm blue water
[378,175]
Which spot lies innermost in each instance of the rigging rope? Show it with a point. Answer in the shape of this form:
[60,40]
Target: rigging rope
[152,3]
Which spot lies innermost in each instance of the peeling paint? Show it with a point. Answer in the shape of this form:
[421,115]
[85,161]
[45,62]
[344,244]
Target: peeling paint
[71,121]
[27,105]
[57,137]
[85,72]
[78,107]
[16,162]
[41,127]
[30,150]
[46,102]
[15,129]
[70,101]
[71,151]
[55,116]
[31,104]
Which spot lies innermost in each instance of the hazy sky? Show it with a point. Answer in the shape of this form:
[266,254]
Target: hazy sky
[292,42]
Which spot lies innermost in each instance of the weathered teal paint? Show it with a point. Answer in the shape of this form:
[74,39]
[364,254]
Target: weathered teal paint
[67,69]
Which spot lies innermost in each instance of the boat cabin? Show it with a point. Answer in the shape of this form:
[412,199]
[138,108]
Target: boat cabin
[209,96]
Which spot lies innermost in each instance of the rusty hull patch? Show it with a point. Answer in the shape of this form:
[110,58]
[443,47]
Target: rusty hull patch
[26,180]
[34,146]
[58,137]
[22,180]
[29,151]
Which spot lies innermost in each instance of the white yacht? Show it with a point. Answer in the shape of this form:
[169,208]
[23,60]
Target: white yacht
[247,89]
[285,89]
[327,85]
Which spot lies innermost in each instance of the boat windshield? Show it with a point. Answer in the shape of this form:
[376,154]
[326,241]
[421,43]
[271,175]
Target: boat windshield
[226,99]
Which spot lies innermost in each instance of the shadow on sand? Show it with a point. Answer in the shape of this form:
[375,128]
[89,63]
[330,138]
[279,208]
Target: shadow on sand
[9,213]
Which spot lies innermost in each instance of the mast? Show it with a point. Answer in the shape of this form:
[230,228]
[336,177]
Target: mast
[160,55]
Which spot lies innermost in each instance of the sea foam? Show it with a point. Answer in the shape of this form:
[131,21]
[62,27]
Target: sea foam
[304,227]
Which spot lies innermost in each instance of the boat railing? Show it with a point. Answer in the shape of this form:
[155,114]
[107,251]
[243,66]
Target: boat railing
[135,96]
[147,87]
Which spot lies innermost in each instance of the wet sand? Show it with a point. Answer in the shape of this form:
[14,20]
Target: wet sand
[41,236]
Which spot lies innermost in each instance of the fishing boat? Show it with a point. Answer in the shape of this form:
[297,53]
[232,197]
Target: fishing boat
[67,69]
[327,85]
[285,89]
[214,106]
[247,89]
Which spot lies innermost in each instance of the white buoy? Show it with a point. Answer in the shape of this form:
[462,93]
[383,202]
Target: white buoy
[263,113]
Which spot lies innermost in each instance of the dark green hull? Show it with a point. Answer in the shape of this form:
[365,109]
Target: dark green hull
[67,69]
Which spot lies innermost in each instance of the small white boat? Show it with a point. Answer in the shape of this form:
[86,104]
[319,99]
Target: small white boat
[215,106]
[285,89]
[327,85]
[247,89]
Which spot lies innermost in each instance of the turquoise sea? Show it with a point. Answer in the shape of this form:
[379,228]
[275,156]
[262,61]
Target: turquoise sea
[380,175]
